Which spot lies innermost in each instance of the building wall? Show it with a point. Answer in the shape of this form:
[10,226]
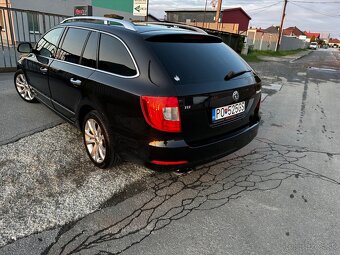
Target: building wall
[267,41]
[302,37]
[332,44]
[65,7]
[5,34]
[18,25]
[228,17]
[236,16]
[191,16]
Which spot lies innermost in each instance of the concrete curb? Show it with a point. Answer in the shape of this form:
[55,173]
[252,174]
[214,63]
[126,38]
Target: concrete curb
[7,69]
[299,57]
[283,58]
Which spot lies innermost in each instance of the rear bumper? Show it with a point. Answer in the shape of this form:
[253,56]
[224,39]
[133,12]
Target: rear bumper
[188,156]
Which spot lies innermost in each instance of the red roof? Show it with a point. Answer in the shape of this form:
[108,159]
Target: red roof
[310,35]
[334,40]
[292,31]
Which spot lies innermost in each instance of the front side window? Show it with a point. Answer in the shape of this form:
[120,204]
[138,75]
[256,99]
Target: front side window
[114,57]
[47,46]
[33,22]
[73,44]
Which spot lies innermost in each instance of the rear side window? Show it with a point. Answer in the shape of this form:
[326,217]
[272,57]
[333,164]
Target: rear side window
[114,57]
[73,44]
[89,57]
[190,62]
[47,46]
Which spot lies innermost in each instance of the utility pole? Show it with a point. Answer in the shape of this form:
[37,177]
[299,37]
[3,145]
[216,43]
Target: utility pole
[147,11]
[281,25]
[218,11]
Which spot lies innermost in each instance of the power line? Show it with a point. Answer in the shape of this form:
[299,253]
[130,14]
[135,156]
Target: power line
[303,7]
[253,13]
[264,7]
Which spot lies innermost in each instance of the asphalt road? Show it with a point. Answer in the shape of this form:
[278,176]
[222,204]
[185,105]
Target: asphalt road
[278,195]
[19,119]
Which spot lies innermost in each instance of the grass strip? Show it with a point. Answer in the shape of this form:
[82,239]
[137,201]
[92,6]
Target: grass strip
[253,55]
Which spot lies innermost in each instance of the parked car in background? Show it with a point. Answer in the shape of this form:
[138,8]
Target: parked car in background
[167,95]
[313,45]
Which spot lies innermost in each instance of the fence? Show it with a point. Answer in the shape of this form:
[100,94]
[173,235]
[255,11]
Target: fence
[17,26]
[268,41]
[292,43]
[224,27]
[263,41]
[234,41]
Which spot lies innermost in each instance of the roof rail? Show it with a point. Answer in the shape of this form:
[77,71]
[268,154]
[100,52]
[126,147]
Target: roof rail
[178,25]
[106,21]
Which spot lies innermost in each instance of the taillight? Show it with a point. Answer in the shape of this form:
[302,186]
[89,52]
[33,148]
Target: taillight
[162,113]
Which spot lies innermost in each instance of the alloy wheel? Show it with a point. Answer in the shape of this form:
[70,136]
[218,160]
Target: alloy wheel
[95,141]
[24,89]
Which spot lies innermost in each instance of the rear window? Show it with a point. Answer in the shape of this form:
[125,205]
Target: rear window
[198,62]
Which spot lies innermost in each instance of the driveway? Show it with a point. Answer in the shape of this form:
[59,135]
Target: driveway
[19,119]
[278,195]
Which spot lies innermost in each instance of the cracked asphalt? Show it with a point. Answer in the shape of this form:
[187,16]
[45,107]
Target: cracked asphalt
[18,119]
[278,195]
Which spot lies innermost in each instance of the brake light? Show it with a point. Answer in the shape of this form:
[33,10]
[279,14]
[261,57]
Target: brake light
[162,113]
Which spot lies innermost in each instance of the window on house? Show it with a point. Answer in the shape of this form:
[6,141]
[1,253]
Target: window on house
[33,22]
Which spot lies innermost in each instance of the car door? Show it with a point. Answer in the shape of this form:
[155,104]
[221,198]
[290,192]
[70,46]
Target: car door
[38,62]
[69,71]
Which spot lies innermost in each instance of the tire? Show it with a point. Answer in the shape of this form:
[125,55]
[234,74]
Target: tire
[99,140]
[24,90]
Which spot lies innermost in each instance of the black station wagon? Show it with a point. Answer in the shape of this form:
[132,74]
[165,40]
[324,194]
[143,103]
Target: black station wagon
[168,95]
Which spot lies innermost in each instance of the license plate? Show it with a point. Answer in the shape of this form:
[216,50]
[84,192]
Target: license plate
[227,111]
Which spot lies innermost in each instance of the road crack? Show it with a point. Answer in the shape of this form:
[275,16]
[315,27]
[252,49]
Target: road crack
[171,198]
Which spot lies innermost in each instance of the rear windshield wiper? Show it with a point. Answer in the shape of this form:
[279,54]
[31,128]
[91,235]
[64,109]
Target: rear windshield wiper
[232,74]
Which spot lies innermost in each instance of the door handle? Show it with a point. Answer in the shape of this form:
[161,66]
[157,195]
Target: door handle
[43,70]
[76,83]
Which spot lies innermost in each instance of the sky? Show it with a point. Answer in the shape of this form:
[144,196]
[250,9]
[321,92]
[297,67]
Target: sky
[308,15]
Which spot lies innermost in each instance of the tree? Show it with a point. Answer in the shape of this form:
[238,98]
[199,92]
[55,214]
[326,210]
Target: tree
[321,42]
[312,39]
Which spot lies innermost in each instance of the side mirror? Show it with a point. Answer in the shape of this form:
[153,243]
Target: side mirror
[24,47]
